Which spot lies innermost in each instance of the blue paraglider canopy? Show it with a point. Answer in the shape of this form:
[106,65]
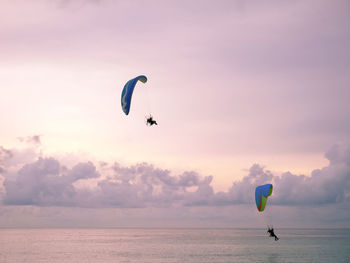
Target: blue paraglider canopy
[128,90]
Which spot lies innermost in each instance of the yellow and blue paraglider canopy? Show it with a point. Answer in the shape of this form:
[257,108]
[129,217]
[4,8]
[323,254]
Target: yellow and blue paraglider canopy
[128,90]
[261,194]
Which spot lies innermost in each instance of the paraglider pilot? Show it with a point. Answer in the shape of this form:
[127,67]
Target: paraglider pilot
[150,121]
[272,233]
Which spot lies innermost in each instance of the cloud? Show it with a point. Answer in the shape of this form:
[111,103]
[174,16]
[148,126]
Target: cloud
[46,192]
[329,185]
[143,185]
[47,182]
[35,139]
[4,155]
[78,3]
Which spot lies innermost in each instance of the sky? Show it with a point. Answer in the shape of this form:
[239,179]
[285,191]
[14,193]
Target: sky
[244,92]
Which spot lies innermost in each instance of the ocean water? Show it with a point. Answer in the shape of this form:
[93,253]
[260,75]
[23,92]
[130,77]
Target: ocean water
[174,245]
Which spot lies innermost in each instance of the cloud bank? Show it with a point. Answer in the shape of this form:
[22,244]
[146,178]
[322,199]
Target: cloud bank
[48,182]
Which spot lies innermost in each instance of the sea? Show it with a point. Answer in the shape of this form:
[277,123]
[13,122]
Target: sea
[173,245]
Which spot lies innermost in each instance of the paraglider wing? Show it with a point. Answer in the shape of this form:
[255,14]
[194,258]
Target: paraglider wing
[261,194]
[127,92]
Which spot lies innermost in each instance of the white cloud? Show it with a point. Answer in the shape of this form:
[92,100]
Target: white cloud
[46,192]
[47,182]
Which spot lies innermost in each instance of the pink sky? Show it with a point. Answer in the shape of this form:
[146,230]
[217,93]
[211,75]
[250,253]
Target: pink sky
[231,84]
